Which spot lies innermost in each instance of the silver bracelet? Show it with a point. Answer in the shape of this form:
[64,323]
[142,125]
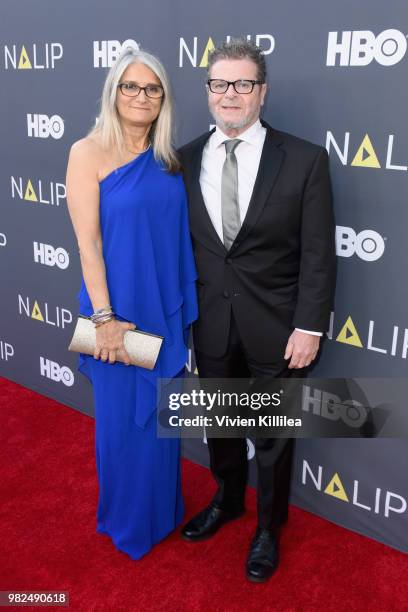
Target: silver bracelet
[103,310]
[102,315]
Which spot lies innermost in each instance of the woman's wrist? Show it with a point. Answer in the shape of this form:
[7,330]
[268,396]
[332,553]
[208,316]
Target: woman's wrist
[108,320]
[102,315]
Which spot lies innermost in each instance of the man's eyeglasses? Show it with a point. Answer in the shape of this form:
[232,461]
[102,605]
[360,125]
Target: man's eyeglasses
[133,89]
[241,86]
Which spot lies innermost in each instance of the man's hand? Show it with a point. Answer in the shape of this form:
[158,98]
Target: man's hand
[302,348]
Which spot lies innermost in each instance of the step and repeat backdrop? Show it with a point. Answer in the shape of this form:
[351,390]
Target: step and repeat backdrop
[337,76]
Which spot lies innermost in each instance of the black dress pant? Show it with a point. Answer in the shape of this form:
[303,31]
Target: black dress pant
[228,456]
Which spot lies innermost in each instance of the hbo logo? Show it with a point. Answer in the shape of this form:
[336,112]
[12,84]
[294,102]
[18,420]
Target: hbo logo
[368,245]
[360,48]
[53,371]
[329,406]
[106,52]
[42,126]
[48,256]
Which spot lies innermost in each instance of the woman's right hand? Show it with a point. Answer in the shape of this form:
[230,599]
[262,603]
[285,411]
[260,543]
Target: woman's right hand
[109,341]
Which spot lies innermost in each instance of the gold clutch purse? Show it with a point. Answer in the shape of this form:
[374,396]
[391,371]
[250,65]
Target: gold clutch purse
[142,348]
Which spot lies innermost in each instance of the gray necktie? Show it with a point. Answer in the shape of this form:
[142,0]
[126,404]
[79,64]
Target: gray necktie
[231,221]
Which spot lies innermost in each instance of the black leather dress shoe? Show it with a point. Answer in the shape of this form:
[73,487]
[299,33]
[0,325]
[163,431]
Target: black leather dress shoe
[263,558]
[207,523]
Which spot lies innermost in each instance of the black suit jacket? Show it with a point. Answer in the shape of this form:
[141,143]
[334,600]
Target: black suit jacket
[280,271]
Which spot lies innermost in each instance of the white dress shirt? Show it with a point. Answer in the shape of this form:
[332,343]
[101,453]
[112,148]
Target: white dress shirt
[248,154]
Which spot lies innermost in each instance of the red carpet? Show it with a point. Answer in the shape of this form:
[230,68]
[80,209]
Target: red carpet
[48,493]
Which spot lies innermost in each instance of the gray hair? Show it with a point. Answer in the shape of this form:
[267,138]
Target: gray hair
[109,127]
[239,48]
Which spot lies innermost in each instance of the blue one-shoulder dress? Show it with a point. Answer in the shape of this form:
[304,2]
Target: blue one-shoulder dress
[151,277]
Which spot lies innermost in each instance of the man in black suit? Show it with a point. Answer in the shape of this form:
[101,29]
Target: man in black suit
[263,236]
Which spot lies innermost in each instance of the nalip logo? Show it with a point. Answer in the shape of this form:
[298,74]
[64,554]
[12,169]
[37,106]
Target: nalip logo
[365,155]
[381,336]
[376,500]
[195,51]
[38,191]
[32,57]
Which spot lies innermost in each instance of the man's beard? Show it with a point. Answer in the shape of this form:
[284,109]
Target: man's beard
[230,125]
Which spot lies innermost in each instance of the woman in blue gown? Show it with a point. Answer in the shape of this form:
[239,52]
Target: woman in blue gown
[128,206]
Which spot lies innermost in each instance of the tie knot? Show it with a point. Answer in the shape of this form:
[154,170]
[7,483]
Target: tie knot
[231,145]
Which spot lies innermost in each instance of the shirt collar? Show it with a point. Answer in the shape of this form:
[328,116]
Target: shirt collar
[253,135]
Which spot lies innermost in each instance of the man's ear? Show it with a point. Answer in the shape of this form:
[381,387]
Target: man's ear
[264,90]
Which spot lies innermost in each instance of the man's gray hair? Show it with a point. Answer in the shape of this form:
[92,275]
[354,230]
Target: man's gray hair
[239,48]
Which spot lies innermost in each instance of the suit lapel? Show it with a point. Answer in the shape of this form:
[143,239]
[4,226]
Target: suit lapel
[201,224]
[269,167]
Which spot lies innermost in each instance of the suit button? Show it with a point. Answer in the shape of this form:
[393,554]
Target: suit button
[226,294]
[228,260]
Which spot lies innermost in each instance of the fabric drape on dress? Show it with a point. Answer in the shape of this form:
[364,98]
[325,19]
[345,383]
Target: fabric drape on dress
[151,274]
